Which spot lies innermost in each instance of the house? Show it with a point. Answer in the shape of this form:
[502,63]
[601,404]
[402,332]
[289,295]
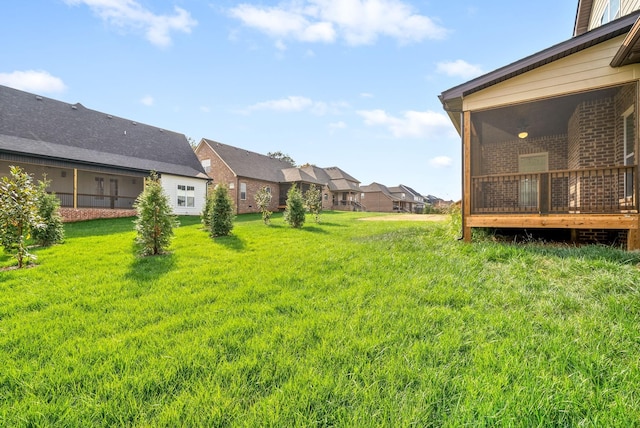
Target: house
[245,172]
[418,199]
[550,141]
[378,198]
[341,191]
[96,162]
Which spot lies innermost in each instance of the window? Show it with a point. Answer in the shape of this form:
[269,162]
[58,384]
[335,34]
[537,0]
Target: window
[186,196]
[100,186]
[530,165]
[611,12]
[267,189]
[243,191]
[629,149]
[206,164]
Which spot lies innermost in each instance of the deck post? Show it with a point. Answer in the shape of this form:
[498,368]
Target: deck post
[75,188]
[466,180]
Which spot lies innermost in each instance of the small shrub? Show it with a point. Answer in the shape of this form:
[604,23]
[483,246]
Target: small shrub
[49,211]
[313,201]
[221,212]
[263,201]
[294,213]
[205,216]
[155,221]
[18,214]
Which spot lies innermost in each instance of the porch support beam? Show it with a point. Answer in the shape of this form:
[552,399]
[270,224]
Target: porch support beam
[574,221]
[466,180]
[75,188]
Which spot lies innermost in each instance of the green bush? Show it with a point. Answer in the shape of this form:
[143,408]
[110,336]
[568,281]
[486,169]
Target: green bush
[294,213]
[205,216]
[221,212]
[313,201]
[49,211]
[263,201]
[18,214]
[155,220]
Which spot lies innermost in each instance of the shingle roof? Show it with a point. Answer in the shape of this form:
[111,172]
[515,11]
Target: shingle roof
[245,163]
[44,127]
[377,187]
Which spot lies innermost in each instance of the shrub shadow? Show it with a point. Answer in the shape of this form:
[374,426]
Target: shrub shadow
[314,229]
[231,242]
[150,267]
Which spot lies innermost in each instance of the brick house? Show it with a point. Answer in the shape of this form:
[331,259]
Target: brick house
[96,162]
[245,172]
[550,141]
[377,197]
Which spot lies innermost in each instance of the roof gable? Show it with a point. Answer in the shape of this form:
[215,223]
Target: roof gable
[81,134]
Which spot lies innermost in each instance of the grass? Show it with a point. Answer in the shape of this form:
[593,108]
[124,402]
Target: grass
[342,323]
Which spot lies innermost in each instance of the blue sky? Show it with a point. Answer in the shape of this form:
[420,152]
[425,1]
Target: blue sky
[347,83]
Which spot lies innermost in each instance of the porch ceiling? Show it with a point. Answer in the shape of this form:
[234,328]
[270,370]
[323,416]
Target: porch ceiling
[540,118]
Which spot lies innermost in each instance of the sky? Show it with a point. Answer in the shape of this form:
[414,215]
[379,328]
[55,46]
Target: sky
[346,83]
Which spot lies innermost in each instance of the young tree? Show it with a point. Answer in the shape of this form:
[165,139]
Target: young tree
[205,216]
[263,201]
[313,201]
[155,221]
[18,213]
[221,212]
[294,213]
[49,211]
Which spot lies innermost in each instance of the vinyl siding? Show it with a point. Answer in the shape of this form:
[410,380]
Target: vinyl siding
[626,7]
[170,185]
[585,70]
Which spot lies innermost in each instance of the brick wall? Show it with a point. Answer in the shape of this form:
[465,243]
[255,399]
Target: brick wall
[248,205]
[503,158]
[70,215]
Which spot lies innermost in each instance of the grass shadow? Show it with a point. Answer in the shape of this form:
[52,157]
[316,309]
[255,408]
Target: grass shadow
[150,267]
[329,224]
[314,229]
[231,242]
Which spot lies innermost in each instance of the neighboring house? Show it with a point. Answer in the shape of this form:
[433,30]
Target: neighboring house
[378,198]
[245,173]
[551,140]
[96,162]
[410,200]
[418,199]
[340,192]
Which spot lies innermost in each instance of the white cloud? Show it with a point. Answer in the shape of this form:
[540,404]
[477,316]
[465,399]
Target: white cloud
[129,14]
[441,162]
[412,124]
[296,104]
[33,81]
[147,100]
[292,103]
[338,125]
[357,22]
[205,109]
[366,95]
[459,68]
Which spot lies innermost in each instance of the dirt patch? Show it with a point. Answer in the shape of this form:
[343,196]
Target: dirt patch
[408,217]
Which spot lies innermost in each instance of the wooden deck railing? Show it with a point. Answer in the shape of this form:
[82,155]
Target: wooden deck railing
[86,200]
[593,190]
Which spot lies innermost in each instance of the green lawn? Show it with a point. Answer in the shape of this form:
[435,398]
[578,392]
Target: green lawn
[343,323]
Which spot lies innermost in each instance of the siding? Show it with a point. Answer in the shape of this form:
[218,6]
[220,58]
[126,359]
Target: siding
[626,7]
[170,185]
[585,70]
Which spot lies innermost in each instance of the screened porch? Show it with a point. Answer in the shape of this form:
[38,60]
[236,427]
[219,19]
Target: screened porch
[565,155]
